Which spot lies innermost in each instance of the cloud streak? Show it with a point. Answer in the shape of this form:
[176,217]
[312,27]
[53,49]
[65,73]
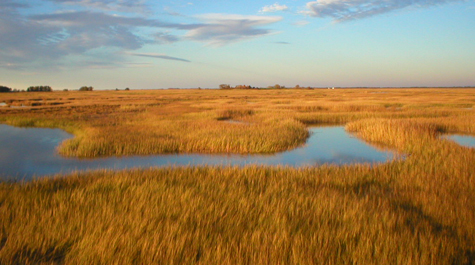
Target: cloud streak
[49,40]
[11,5]
[344,10]
[222,29]
[165,37]
[130,6]
[159,56]
[21,39]
[273,8]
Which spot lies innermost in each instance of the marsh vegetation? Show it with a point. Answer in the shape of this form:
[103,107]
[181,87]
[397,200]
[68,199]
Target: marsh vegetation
[419,210]
[32,154]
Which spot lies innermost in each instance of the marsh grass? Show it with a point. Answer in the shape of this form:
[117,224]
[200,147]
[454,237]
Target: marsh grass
[419,210]
[214,215]
[111,123]
[228,114]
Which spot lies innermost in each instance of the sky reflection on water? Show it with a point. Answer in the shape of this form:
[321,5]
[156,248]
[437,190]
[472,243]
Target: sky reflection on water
[28,152]
[465,140]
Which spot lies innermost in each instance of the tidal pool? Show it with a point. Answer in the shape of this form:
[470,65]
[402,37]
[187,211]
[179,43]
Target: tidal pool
[465,140]
[29,152]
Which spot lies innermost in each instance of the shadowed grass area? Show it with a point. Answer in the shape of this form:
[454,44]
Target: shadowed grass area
[419,210]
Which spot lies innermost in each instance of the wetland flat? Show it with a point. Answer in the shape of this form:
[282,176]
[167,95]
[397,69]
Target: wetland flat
[28,152]
[416,210]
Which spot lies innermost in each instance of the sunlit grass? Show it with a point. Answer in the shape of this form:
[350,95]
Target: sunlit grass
[108,123]
[418,210]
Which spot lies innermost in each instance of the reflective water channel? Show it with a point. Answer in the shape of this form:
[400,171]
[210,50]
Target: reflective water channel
[465,140]
[28,152]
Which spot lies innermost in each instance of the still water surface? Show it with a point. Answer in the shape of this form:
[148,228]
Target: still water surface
[464,140]
[28,152]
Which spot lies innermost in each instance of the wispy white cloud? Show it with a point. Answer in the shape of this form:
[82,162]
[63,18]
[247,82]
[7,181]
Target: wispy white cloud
[344,10]
[48,39]
[273,8]
[95,19]
[130,6]
[165,37]
[8,5]
[86,30]
[21,39]
[301,23]
[222,29]
[159,56]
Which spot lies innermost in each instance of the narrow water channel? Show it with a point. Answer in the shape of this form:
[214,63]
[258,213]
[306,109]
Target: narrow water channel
[465,140]
[29,152]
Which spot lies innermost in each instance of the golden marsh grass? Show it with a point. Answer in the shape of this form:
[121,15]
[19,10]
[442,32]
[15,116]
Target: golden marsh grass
[420,210]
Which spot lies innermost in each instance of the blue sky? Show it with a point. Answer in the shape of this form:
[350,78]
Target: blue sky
[186,44]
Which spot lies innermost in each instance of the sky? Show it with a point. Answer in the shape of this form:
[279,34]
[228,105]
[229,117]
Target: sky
[154,44]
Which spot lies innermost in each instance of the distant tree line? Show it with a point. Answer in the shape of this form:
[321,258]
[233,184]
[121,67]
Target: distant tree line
[5,89]
[226,86]
[276,86]
[86,88]
[39,89]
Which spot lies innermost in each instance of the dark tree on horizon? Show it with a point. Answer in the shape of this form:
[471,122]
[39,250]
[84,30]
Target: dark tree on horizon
[39,89]
[5,89]
[86,88]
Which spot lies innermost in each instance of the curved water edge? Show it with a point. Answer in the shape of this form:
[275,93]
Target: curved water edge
[464,140]
[28,152]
